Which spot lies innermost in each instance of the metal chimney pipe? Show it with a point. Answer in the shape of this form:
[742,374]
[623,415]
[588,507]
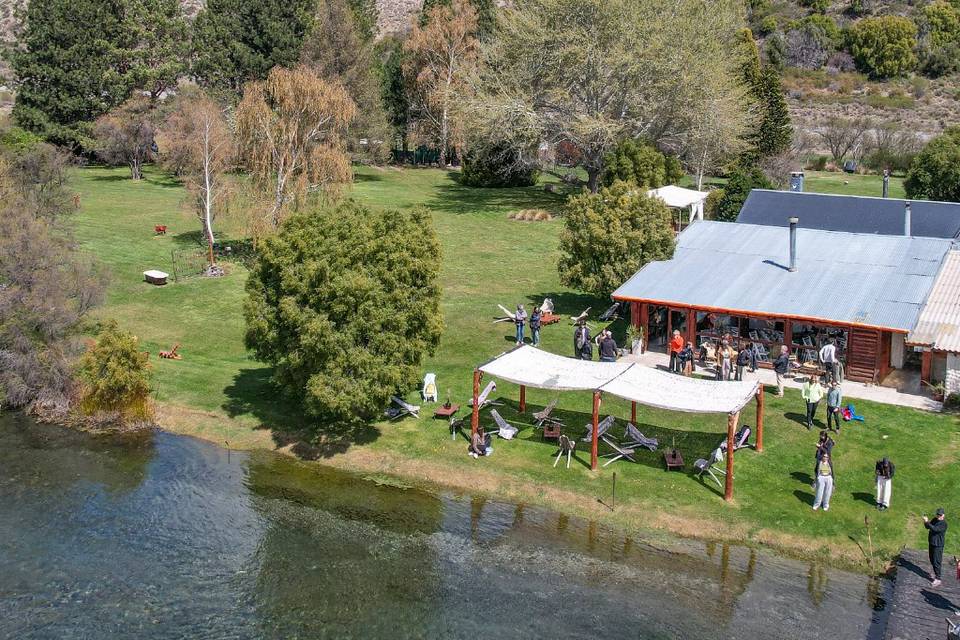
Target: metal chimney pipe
[907,220]
[886,183]
[793,242]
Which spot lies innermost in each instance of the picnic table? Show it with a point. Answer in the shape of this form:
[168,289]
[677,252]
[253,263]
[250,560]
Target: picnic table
[549,318]
[444,411]
[673,459]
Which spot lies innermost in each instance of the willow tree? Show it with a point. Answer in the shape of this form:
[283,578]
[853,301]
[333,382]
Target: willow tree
[290,135]
[440,58]
[594,72]
[197,144]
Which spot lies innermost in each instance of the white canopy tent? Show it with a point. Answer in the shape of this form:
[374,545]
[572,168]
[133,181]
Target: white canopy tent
[528,366]
[680,198]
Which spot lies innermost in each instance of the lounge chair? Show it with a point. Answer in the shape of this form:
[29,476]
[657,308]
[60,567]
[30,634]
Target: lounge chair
[635,437]
[602,428]
[740,439]
[429,390]
[567,446]
[612,313]
[402,409]
[710,466]
[619,451]
[504,429]
[484,398]
[543,416]
[547,306]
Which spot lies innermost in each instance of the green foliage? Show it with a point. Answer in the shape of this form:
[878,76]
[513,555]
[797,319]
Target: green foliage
[712,204]
[18,140]
[364,18]
[393,86]
[825,25]
[497,166]
[115,375]
[768,25]
[344,303]
[486,15]
[775,133]
[642,164]
[66,68]
[935,172]
[608,236]
[939,25]
[818,6]
[775,49]
[883,47]
[235,41]
[735,192]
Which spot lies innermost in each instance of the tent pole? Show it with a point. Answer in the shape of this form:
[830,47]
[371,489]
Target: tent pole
[732,420]
[475,417]
[760,419]
[596,430]
[633,413]
[523,398]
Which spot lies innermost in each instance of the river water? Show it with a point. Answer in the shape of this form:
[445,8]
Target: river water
[161,536]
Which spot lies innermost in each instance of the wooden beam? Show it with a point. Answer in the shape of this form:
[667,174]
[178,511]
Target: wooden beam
[760,419]
[596,430]
[926,366]
[633,412]
[732,420]
[475,417]
[523,398]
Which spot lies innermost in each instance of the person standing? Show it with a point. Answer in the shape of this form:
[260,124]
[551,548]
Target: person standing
[535,318]
[743,359]
[724,361]
[884,469]
[676,346]
[812,392]
[824,481]
[520,318]
[686,359]
[607,347]
[582,346]
[780,367]
[936,531]
[834,400]
[828,356]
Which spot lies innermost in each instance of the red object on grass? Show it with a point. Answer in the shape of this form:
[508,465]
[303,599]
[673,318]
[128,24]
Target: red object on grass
[160,229]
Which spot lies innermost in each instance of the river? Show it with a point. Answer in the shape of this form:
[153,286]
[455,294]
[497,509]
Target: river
[163,536]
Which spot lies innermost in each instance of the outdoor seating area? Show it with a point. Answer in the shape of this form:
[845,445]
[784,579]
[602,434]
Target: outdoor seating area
[527,366]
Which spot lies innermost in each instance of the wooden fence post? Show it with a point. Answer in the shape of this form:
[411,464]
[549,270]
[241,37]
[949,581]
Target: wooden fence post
[732,420]
[475,417]
[760,419]
[596,430]
[523,398]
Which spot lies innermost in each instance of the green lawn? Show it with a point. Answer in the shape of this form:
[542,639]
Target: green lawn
[219,392]
[852,184]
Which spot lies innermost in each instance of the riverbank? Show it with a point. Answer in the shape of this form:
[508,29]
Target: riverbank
[219,393]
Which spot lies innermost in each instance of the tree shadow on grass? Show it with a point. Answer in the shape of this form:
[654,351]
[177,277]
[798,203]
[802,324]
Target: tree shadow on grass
[125,177]
[253,393]
[457,198]
[366,177]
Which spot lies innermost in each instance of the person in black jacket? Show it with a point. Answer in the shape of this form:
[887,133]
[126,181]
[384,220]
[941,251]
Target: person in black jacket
[780,366]
[582,344]
[607,347]
[884,470]
[745,358]
[936,531]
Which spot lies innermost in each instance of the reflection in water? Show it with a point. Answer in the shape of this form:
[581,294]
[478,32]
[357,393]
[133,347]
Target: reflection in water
[171,537]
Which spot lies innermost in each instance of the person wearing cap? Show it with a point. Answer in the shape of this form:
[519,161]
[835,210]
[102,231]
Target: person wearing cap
[520,318]
[676,346]
[936,531]
[607,347]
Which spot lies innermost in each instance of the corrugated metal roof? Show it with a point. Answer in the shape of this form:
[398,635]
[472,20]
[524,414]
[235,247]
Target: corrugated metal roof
[939,323]
[854,214]
[879,281]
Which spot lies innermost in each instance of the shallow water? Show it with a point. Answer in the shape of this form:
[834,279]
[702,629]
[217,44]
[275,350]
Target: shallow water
[161,536]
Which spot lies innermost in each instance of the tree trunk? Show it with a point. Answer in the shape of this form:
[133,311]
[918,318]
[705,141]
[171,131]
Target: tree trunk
[443,138]
[593,179]
[135,173]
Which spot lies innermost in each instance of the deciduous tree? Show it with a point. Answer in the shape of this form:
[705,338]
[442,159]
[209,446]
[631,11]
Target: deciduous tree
[843,136]
[440,56]
[126,134]
[642,164]
[290,131]
[197,143]
[344,303]
[115,376]
[883,47]
[608,236]
[935,172]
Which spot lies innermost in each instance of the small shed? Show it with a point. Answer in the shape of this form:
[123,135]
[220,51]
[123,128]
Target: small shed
[683,200]
[937,333]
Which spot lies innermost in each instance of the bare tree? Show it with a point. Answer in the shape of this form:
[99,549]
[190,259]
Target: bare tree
[126,134]
[40,176]
[843,136]
[290,134]
[197,143]
[440,57]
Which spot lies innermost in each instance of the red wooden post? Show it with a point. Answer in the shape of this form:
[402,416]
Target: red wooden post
[596,430]
[760,419]
[633,412]
[523,398]
[475,418]
[732,420]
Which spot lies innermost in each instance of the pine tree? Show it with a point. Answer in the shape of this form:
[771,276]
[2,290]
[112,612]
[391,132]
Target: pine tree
[775,133]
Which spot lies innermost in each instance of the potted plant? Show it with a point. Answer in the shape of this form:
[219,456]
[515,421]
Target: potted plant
[635,338]
[939,390]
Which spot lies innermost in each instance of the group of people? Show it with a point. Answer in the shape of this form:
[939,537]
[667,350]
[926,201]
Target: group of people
[823,482]
[583,344]
[730,362]
[520,320]
[813,392]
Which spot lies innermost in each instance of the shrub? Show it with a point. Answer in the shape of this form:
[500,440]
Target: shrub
[531,215]
[641,163]
[497,166]
[711,205]
[115,375]
[883,47]
[741,182]
[935,172]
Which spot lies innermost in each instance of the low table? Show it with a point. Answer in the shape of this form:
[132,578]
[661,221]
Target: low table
[549,318]
[673,459]
[446,412]
[153,276]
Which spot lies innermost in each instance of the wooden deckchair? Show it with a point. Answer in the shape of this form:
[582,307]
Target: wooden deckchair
[484,398]
[504,429]
[612,313]
[710,467]
[602,429]
[567,446]
[543,416]
[402,409]
[634,437]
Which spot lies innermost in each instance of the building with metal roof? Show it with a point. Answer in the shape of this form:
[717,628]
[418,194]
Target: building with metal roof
[854,214]
[864,292]
[938,328]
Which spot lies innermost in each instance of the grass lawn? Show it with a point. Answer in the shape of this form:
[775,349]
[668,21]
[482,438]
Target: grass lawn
[220,393]
[851,184]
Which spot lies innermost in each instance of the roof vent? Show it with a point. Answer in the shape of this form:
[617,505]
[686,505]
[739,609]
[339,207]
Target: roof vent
[793,242]
[907,219]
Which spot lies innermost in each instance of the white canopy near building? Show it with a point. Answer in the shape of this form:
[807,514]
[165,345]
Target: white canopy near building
[680,198]
[529,366]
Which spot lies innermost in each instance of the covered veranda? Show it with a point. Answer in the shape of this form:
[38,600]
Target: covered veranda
[527,366]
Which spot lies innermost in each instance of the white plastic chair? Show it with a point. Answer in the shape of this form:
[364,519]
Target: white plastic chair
[429,391]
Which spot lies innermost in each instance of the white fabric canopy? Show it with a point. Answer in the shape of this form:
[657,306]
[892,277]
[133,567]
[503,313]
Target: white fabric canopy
[658,388]
[680,198]
[532,367]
